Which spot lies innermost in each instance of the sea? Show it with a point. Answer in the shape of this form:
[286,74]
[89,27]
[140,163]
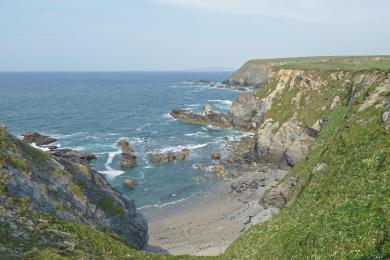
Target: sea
[92,111]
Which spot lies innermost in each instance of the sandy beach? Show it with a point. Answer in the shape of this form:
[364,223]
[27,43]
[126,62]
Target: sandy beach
[207,223]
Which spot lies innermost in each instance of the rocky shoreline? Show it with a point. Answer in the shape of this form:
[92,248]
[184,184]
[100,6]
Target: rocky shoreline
[207,223]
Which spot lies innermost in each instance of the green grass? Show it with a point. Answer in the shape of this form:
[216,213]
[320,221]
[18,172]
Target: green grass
[57,239]
[354,63]
[107,204]
[76,190]
[342,212]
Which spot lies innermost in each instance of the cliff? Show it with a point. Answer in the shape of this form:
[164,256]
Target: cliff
[329,121]
[51,202]
[255,72]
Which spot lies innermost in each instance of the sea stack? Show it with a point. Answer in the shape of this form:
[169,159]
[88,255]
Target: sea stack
[129,159]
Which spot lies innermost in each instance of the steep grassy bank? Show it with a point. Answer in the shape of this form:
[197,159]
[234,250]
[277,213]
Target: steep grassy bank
[340,208]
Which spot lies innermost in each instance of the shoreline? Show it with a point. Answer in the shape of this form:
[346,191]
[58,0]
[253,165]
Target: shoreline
[207,223]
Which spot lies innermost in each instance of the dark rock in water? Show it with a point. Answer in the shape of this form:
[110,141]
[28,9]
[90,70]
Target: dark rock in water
[180,156]
[57,187]
[129,159]
[216,154]
[164,158]
[37,138]
[155,158]
[207,117]
[247,113]
[123,144]
[185,152]
[171,156]
[130,184]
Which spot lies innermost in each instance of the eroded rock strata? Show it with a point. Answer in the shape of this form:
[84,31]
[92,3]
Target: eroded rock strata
[63,185]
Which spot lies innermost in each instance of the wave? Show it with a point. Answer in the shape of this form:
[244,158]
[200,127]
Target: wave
[65,136]
[43,148]
[180,147]
[110,172]
[223,101]
[195,134]
[163,204]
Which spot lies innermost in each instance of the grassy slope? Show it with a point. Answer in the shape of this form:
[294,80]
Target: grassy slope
[329,63]
[342,212]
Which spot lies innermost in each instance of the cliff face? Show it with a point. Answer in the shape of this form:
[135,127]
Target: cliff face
[35,182]
[250,74]
[332,125]
[295,104]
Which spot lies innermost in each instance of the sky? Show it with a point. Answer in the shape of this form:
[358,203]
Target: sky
[106,35]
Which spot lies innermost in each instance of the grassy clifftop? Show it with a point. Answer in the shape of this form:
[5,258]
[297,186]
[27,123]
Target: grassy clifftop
[328,63]
[255,72]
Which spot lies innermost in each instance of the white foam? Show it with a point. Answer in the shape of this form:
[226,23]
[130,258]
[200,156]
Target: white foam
[164,204]
[43,148]
[180,147]
[168,116]
[194,134]
[223,101]
[66,136]
[110,172]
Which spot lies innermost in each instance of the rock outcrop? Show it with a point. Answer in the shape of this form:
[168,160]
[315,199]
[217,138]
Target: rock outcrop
[286,111]
[252,73]
[207,117]
[247,113]
[129,158]
[285,146]
[60,186]
[169,156]
[38,139]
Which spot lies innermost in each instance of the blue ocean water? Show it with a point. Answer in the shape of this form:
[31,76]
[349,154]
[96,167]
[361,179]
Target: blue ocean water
[91,111]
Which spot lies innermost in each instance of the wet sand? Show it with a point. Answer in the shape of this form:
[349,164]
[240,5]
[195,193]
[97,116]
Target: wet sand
[207,223]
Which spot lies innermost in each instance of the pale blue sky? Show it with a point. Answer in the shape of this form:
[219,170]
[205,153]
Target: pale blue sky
[184,34]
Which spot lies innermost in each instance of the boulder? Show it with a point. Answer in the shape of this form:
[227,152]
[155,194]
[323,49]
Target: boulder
[219,170]
[37,138]
[171,156]
[164,158]
[180,156]
[130,184]
[216,154]
[155,158]
[129,159]
[123,143]
[386,120]
[199,166]
[185,152]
